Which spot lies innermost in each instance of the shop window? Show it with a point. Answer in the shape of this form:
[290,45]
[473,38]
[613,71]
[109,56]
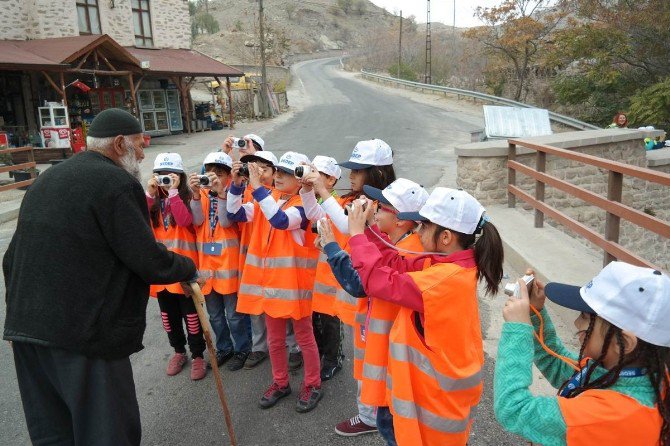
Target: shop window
[89,17]
[142,23]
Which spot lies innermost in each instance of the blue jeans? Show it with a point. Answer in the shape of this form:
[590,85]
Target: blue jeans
[230,327]
[385,425]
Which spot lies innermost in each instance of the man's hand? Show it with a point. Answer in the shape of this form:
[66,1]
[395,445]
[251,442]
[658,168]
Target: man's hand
[227,146]
[517,309]
[152,186]
[194,184]
[186,286]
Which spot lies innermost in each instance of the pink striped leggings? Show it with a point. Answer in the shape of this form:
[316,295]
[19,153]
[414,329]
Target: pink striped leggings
[177,309]
[304,335]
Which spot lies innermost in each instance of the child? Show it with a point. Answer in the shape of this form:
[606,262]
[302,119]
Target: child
[377,316]
[371,164]
[218,243]
[278,277]
[435,354]
[267,160]
[615,391]
[171,221]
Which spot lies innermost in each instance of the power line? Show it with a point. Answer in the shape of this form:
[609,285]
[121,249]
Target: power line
[428,70]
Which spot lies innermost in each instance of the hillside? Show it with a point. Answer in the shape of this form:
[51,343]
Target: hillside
[293,27]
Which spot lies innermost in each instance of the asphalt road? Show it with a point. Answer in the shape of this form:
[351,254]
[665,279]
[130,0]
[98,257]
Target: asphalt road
[332,112]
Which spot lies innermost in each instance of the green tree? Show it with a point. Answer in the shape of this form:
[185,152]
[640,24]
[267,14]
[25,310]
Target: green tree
[406,72]
[204,22]
[651,106]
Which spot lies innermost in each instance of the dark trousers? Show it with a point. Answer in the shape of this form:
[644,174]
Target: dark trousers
[177,309]
[385,425]
[69,399]
[329,333]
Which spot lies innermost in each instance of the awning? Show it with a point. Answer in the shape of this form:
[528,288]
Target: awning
[13,56]
[182,62]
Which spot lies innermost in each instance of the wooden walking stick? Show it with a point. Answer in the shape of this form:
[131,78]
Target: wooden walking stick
[199,301]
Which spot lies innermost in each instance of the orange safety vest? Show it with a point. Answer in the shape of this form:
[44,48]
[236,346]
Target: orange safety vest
[329,297]
[608,417]
[180,240]
[278,277]
[221,271]
[434,381]
[378,321]
[246,229]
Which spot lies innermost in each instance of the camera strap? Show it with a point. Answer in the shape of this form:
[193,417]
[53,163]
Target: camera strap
[213,215]
[165,205]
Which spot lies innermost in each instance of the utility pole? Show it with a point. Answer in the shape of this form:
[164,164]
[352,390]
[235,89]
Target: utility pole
[263,93]
[427,73]
[400,46]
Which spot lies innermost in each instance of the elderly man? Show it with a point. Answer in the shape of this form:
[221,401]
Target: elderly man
[77,273]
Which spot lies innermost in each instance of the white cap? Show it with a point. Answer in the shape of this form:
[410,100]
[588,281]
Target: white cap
[261,155]
[257,139]
[404,195]
[290,160]
[221,158]
[450,208]
[169,162]
[373,152]
[633,298]
[327,165]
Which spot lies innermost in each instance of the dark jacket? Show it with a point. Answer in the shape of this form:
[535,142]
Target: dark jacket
[78,268]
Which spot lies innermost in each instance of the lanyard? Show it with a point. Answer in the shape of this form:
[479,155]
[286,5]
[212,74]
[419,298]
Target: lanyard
[213,214]
[576,379]
[165,209]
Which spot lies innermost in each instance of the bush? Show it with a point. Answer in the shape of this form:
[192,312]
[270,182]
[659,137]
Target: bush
[651,106]
[406,72]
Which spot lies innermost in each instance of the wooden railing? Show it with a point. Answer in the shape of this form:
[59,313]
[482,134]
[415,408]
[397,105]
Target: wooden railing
[615,210]
[30,164]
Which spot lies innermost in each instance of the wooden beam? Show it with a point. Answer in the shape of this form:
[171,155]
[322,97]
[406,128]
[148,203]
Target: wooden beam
[53,84]
[107,62]
[511,174]
[139,83]
[84,59]
[133,96]
[231,113]
[62,86]
[99,72]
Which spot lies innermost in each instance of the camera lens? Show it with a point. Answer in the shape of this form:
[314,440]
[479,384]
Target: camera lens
[165,180]
[315,227]
[244,170]
[299,171]
[204,180]
[240,143]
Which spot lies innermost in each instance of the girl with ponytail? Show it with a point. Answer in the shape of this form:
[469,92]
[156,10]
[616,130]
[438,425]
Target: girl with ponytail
[434,375]
[615,390]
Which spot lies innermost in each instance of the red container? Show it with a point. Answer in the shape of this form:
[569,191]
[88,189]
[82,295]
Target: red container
[147,140]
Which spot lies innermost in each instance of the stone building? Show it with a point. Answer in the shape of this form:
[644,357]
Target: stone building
[79,57]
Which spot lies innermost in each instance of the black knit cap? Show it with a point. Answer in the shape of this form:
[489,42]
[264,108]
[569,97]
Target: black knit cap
[114,122]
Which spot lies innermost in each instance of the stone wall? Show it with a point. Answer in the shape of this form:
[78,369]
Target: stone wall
[43,19]
[485,176]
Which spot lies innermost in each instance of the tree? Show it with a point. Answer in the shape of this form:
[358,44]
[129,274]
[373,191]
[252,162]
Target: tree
[651,106]
[345,5]
[204,22]
[406,72]
[515,32]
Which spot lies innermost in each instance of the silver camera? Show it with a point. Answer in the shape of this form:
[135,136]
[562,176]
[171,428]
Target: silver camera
[512,288]
[239,143]
[164,180]
[360,202]
[204,180]
[302,171]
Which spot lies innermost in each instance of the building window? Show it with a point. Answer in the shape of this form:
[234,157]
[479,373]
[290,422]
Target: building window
[142,23]
[89,17]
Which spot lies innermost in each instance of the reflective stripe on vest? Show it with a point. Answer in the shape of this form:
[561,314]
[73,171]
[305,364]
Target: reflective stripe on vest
[408,409]
[280,262]
[374,372]
[275,293]
[406,353]
[359,353]
[325,289]
[179,244]
[218,274]
[227,243]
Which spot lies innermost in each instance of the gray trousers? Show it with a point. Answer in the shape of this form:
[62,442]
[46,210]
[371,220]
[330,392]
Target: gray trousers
[69,399]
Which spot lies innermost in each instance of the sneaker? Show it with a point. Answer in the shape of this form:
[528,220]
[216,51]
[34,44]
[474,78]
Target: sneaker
[328,370]
[254,359]
[308,399]
[294,361]
[274,394]
[198,369]
[221,358]
[238,361]
[353,427]
[176,364]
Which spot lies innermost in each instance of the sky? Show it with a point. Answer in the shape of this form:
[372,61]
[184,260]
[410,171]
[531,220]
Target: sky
[440,10]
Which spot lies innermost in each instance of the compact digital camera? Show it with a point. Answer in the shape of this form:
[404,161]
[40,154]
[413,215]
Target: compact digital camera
[239,143]
[244,170]
[302,171]
[359,202]
[204,180]
[512,288]
[164,180]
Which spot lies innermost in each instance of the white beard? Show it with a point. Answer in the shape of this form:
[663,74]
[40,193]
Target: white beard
[130,164]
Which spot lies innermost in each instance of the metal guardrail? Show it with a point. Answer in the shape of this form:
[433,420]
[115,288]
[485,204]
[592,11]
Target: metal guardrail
[562,119]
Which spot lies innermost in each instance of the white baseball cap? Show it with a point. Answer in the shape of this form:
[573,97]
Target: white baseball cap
[327,165]
[450,208]
[257,139]
[404,195]
[219,158]
[633,298]
[373,152]
[290,160]
[169,162]
[261,155]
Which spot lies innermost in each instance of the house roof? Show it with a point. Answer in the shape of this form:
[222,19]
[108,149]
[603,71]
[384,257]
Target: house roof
[13,56]
[69,49]
[182,62]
